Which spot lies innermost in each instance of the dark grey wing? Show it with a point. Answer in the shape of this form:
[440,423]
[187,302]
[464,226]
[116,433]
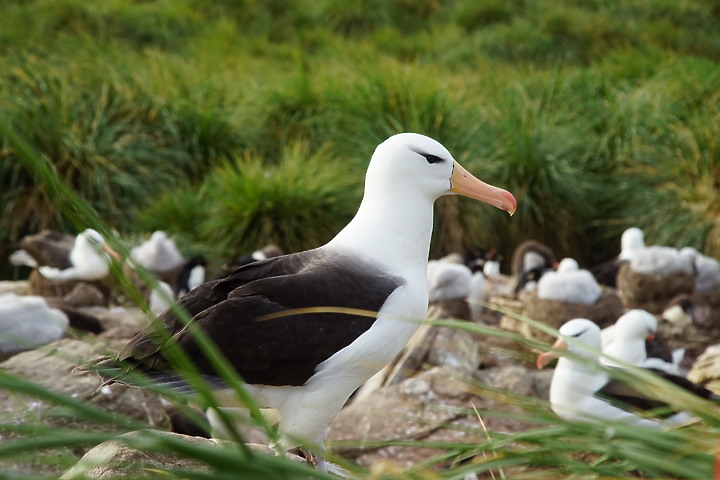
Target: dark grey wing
[625,395]
[658,348]
[685,384]
[253,324]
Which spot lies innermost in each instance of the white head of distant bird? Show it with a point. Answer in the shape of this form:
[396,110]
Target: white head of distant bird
[491,268]
[631,241]
[630,332]
[568,265]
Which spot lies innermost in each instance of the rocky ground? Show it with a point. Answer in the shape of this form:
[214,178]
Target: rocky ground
[432,393]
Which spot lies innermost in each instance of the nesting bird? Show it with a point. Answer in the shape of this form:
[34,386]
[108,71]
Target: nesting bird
[448,280]
[569,283]
[531,260]
[654,259]
[89,258]
[707,270]
[159,255]
[651,275]
[304,330]
[27,321]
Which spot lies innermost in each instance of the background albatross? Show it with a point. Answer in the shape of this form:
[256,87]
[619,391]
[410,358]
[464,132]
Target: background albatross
[306,365]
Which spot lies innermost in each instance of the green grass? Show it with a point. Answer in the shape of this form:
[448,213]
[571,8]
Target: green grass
[581,108]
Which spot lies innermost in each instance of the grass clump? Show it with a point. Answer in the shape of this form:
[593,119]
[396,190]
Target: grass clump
[252,203]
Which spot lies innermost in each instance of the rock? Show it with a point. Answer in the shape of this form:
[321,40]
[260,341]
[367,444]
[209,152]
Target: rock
[430,346]
[554,313]
[19,287]
[651,292]
[127,456]
[706,370]
[84,294]
[434,406]
[49,247]
[51,367]
[41,286]
[121,324]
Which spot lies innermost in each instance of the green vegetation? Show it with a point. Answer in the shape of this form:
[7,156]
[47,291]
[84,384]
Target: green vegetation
[597,115]
[234,123]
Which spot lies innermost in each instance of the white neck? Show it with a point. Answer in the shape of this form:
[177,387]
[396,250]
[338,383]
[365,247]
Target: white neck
[391,230]
[573,381]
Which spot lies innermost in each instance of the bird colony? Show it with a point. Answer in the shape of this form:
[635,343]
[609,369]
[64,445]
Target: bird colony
[316,334]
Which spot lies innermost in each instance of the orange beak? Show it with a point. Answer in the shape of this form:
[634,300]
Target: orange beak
[464,183]
[112,252]
[545,358]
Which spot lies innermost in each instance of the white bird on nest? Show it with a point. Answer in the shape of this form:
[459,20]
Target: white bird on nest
[306,364]
[159,253]
[570,284]
[448,280]
[654,259]
[90,258]
[26,322]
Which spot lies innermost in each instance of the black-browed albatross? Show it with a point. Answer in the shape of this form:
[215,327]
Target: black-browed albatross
[306,365]
[582,391]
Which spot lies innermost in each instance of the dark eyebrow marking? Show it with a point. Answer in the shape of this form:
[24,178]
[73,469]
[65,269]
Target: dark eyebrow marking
[579,333]
[430,157]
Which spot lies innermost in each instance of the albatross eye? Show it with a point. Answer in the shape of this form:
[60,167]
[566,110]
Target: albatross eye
[432,158]
[579,333]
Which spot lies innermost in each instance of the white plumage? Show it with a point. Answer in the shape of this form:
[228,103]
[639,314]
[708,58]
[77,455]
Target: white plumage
[90,259]
[448,280]
[478,294]
[629,334]
[707,270]
[161,297]
[157,254]
[27,322]
[570,284]
[575,383]
[627,343]
[22,258]
[654,259]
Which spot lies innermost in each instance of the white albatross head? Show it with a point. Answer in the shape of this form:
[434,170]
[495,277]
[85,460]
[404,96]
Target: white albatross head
[582,330]
[416,162]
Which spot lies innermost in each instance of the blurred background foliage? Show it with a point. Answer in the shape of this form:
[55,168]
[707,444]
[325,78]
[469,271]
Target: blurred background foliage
[235,123]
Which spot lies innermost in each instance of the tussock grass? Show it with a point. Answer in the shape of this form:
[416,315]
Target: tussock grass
[579,108]
[297,203]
